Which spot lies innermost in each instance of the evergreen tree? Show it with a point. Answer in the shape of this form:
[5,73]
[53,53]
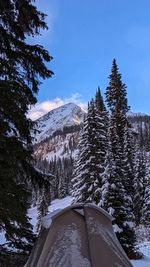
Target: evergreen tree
[115,199]
[117,101]
[62,187]
[146,203]
[121,201]
[86,182]
[42,205]
[101,133]
[128,158]
[139,184]
[99,101]
[110,178]
[21,66]
[102,124]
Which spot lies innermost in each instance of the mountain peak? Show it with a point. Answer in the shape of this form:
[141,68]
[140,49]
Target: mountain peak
[64,116]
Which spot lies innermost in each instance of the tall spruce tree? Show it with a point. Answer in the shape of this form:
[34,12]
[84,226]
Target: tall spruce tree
[102,121]
[128,158]
[111,181]
[102,138]
[99,101]
[21,67]
[114,195]
[117,102]
[86,181]
[116,98]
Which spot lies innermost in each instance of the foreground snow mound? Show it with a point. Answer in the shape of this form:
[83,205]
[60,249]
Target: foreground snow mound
[55,205]
[145,249]
[58,204]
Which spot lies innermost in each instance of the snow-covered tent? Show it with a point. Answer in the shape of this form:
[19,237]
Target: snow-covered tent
[78,236]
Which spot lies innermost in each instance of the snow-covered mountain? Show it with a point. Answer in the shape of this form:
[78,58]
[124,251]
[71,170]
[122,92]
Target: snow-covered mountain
[56,120]
[59,132]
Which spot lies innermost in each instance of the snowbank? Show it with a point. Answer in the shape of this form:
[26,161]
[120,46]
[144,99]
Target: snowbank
[145,249]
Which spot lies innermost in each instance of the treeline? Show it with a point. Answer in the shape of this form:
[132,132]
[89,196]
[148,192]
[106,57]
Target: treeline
[61,172]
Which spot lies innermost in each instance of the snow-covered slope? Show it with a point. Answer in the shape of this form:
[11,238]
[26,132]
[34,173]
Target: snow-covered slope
[144,248]
[64,116]
[60,146]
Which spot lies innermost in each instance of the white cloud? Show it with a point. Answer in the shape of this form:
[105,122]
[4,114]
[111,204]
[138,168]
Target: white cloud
[42,108]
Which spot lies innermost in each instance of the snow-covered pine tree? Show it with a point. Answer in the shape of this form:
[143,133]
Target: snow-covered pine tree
[117,103]
[139,184]
[101,116]
[115,198]
[62,187]
[128,158]
[22,67]
[68,170]
[86,180]
[110,177]
[146,203]
[102,124]
[42,205]
[99,101]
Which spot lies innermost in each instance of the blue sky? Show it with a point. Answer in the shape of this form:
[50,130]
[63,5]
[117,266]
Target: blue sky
[83,38]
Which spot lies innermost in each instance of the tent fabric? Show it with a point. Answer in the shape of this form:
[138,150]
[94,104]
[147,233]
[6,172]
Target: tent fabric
[78,236]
